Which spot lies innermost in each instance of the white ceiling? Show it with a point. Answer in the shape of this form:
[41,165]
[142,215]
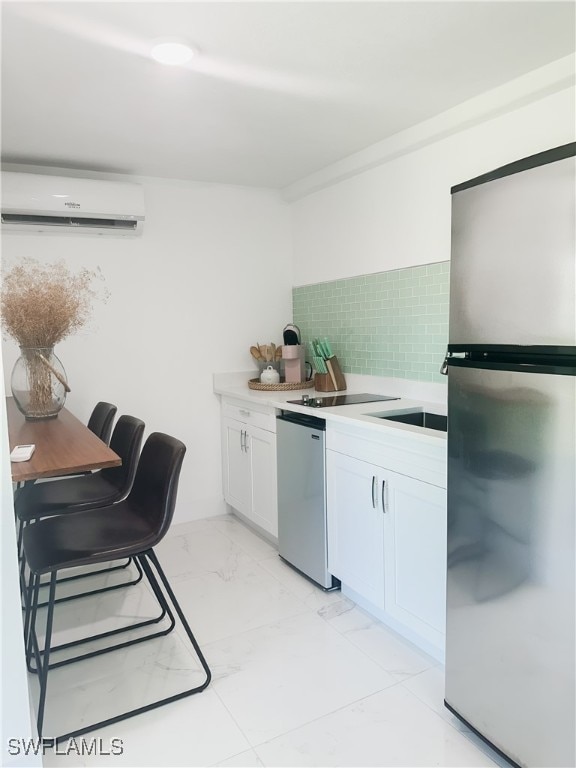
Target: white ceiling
[278,91]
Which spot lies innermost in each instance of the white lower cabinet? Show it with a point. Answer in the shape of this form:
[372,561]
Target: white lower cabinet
[415,556]
[249,469]
[355,526]
[262,449]
[237,466]
[387,543]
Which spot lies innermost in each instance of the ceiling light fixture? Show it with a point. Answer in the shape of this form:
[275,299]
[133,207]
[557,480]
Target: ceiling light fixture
[173,54]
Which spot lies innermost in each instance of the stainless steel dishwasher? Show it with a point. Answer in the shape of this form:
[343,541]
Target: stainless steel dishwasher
[302,496]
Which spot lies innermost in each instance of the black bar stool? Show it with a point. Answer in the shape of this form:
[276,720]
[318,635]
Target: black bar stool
[130,528]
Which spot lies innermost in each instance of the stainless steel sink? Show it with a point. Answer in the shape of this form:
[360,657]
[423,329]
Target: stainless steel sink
[419,419]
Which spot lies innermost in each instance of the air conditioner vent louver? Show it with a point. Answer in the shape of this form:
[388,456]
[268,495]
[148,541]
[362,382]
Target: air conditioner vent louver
[67,221]
[61,205]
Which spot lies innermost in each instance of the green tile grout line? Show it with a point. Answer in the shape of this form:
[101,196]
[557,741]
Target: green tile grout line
[385,324]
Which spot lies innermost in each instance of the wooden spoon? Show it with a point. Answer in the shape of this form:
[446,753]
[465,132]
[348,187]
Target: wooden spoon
[255,352]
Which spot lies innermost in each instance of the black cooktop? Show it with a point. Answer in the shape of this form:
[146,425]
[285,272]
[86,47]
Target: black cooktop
[330,401]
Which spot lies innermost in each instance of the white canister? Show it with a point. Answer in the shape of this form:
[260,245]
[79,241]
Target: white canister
[270,376]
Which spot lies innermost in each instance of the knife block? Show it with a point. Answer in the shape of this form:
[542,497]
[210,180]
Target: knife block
[323,381]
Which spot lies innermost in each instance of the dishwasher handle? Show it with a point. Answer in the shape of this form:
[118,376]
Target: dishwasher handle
[303,419]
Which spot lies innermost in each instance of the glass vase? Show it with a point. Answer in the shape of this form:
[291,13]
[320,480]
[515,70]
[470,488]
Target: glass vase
[39,383]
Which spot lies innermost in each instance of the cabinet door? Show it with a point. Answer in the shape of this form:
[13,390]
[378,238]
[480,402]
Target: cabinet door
[355,526]
[262,450]
[415,555]
[236,465]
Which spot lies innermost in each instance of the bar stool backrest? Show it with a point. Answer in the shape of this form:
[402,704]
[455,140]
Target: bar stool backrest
[156,484]
[101,419]
[126,442]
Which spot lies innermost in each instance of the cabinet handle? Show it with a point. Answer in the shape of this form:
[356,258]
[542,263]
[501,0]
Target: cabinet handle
[246,441]
[242,440]
[245,412]
[384,496]
[373,491]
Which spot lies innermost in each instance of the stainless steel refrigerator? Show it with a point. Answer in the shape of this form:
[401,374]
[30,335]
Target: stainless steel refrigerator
[511,623]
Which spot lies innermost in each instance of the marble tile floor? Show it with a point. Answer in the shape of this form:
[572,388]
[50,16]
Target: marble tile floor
[300,677]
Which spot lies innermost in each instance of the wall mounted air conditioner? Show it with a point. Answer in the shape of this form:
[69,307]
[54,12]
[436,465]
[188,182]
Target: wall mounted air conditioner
[60,205]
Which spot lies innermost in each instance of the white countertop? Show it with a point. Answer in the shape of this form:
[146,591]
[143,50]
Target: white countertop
[362,414]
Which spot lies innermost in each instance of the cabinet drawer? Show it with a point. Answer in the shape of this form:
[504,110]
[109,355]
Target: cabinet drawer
[392,449]
[260,416]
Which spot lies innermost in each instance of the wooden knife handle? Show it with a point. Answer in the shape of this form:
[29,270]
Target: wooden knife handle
[337,372]
[331,374]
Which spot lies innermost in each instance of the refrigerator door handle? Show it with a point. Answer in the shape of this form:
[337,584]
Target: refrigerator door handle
[448,356]
[444,366]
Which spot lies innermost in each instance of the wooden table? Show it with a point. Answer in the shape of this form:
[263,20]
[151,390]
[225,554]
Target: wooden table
[63,446]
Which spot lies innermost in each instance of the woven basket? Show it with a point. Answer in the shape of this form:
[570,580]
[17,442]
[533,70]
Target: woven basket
[284,386]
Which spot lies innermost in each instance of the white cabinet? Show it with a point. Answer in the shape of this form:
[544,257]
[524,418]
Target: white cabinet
[355,526]
[415,555]
[261,446]
[387,530]
[249,463]
[237,466]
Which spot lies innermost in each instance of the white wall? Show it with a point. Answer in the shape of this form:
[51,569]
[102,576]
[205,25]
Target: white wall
[398,214]
[210,276]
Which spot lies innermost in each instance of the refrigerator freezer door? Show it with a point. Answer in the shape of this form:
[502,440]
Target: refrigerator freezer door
[510,639]
[512,275]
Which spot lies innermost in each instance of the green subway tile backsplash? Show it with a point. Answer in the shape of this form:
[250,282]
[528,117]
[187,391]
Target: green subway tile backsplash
[388,324]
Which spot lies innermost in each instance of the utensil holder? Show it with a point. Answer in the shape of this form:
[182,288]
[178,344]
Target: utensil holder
[323,381]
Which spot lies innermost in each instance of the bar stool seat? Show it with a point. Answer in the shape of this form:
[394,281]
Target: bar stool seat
[87,538]
[73,494]
[99,489]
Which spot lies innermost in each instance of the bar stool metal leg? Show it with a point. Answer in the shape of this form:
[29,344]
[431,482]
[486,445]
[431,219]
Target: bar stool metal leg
[165,611]
[146,559]
[100,590]
[42,664]
[152,555]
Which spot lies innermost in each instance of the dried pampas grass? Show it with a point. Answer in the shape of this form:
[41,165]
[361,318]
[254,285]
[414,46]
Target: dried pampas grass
[41,304]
